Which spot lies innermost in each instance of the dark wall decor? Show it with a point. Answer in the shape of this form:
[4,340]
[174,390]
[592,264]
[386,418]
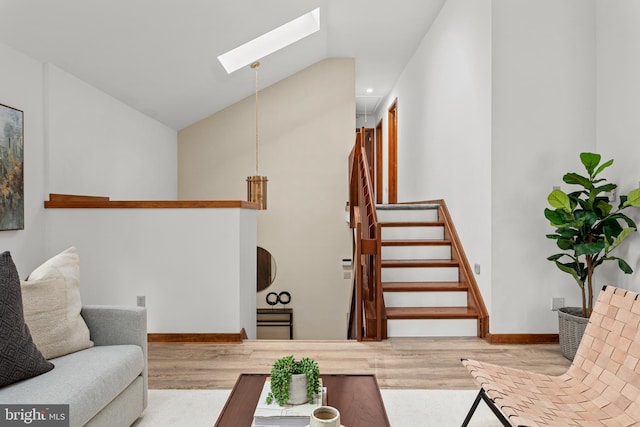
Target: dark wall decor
[11,168]
[266,269]
[283,298]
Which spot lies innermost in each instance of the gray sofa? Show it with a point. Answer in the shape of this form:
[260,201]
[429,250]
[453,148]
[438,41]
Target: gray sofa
[105,385]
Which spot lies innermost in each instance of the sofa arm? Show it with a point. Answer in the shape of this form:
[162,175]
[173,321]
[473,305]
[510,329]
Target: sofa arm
[114,325]
[119,325]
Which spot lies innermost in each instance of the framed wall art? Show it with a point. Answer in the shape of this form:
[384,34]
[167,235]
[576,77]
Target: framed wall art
[11,168]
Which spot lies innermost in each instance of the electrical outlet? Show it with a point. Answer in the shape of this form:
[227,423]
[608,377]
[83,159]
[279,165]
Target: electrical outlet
[556,187]
[557,303]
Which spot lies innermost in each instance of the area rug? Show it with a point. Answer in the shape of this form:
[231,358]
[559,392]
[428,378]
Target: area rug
[405,408]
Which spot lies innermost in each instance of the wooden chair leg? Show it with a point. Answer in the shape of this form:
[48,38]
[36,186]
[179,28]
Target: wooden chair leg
[482,395]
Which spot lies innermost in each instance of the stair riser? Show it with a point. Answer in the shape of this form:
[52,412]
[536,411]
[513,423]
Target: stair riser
[409,233]
[425,299]
[416,252]
[407,216]
[432,328]
[436,274]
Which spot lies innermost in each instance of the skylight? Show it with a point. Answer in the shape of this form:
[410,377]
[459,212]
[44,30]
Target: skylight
[270,42]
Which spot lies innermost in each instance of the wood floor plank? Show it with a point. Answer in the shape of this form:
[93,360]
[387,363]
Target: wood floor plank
[402,363]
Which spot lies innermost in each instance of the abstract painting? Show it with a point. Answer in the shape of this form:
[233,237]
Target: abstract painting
[11,169]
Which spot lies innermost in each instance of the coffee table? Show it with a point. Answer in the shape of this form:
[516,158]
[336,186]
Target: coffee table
[357,397]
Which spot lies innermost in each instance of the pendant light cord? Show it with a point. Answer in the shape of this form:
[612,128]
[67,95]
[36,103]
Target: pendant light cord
[255,66]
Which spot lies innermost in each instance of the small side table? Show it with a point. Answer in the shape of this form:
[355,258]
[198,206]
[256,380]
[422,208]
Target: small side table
[276,317]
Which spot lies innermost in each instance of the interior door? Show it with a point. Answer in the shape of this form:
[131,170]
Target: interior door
[378,170]
[393,152]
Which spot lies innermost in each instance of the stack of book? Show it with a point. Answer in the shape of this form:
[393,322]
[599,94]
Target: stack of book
[274,415]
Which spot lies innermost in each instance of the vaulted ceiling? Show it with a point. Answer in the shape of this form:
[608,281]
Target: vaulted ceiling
[160,56]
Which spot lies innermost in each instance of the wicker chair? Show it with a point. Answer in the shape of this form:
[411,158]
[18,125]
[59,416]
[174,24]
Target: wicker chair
[600,388]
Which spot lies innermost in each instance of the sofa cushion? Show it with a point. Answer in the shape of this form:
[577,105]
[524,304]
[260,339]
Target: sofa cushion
[51,297]
[19,357]
[87,380]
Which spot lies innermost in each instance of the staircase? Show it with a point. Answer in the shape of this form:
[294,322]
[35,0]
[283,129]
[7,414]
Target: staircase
[411,275]
[424,293]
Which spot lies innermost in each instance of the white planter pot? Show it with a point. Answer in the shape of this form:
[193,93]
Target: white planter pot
[298,385]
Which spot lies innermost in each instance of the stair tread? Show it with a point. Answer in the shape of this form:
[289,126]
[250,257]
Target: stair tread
[407,206]
[431,313]
[417,263]
[416,242]
[424,287]
[411,223]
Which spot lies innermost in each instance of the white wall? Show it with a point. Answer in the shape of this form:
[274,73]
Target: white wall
[618,126]
[307,126]
[21,88]
[544,105]
[78,140]
[196,267]
[444,125]
[91,135]
[506,89]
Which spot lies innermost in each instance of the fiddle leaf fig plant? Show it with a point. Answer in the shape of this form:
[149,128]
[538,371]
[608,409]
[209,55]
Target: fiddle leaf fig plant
[587,226]
[281,373]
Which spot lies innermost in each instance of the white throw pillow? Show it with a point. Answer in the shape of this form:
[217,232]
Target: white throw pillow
[51,300]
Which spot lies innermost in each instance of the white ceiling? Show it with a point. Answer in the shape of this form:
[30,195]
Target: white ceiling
[160,56]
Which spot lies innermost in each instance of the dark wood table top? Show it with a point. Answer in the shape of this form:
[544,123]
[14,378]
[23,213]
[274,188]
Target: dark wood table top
[357,397]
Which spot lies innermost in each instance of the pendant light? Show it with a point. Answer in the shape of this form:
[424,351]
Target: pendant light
[256,184]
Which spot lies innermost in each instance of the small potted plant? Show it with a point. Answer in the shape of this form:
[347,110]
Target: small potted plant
[293,381]
[588,227]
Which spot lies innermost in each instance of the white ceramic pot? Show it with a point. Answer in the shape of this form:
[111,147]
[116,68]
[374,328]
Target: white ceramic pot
[298,385]
[325,416]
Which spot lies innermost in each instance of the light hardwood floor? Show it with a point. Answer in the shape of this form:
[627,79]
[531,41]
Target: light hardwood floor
[404,363]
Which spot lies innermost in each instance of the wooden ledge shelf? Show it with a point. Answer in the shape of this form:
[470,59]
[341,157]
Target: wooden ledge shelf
[70,201]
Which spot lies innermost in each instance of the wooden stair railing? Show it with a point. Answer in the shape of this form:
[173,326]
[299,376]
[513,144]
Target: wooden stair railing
[369,313]
[367,320]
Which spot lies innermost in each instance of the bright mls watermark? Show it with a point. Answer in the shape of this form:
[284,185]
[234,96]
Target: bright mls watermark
[34,415]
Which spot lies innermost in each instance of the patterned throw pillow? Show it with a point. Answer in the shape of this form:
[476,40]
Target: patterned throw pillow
[19,357]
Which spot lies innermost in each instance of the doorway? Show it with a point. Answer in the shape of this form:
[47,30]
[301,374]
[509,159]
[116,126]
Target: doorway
[369,149]
[393,152]
[378,169]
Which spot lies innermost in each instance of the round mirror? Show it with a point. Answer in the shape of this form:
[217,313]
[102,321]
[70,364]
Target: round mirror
[266,269]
